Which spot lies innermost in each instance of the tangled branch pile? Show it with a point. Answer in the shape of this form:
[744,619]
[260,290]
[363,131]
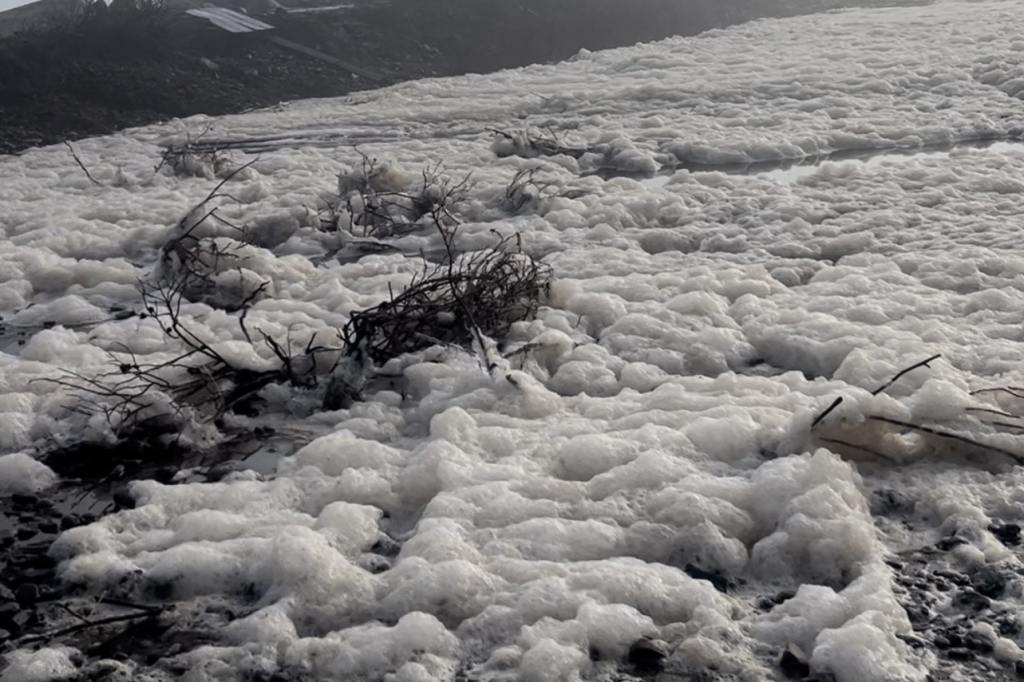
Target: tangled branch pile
[530,143]
[484,291]
[377,200]
[461,301]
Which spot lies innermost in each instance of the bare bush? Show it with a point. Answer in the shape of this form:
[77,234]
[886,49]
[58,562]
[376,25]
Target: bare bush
[463,301]
[450,303]
[198,382]
[195,158]
[525,191]
[376,201]
[530,143]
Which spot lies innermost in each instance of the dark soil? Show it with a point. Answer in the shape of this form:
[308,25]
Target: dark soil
[113,69]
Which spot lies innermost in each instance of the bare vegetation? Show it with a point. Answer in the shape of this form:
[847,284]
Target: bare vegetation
[374,201]
[463,301]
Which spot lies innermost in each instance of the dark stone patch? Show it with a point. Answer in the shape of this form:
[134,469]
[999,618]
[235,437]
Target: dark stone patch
[793,663]
[720,582]
[647,655]
[1006,533]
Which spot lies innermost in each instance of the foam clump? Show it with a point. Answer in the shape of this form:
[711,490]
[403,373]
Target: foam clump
[42,665]
[22,474]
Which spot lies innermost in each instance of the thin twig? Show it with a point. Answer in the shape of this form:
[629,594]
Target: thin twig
[81,165]
[828,410]
[901,373]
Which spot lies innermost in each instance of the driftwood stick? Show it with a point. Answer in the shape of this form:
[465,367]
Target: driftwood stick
[947,434]
[71,629]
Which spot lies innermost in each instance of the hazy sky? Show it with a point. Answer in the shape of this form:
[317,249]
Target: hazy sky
[10,4]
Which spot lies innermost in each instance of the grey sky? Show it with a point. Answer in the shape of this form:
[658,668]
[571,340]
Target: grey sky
[11,4]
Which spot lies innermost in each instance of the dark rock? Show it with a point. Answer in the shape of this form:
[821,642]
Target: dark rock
[123,498]
[960,654]
[970,600]
[989,581]
[954,577]
[25,533]
[946,544]
[770,601]
[4,635]
[1007,533]
[27,594]
[919,614]
[721,583]
[793,663]
[69,521]
[1008,626]
[1018,667]
[49,526]
[978,642]
[24,500]
[647,655]
[386,546]
[8,611]
[889,501]
[5,594]
[165,474]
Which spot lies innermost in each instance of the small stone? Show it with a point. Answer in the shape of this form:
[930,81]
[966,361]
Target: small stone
[48,526]
[123,498]
[386,546]
[970,600]
[164,474]
[1007,533]
[8,611]
[946,544]
[4,635]
[5,593]
[69,521]
[919,614]
[793,662]
[25,533]
[24,500]
[721,583]
[960,654]
[954,577]
[989,581]
[1008,627]
[647,655]
[1018,667]
[978,642]
[27,594]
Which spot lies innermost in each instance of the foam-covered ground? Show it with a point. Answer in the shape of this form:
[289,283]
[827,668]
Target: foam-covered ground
[534,525]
